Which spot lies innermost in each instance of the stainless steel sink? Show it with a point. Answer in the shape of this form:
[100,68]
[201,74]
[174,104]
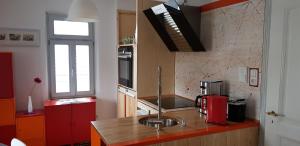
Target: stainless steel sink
[160,121]
[164,121]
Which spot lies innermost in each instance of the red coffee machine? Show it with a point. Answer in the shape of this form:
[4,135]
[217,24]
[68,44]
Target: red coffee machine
[216,108]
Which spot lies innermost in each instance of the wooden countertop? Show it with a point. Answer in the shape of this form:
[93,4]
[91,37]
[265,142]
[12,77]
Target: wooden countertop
[127,131]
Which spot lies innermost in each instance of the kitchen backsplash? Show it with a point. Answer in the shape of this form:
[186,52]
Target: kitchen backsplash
[233,37]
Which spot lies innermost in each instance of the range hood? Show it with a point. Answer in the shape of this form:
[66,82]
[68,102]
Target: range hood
[177,25]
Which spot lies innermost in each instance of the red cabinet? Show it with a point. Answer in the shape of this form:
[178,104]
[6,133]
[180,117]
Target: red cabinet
[82,115]
[58,125]
[7,101]
[7,133]
[30,128]
[69,123]
[6,75]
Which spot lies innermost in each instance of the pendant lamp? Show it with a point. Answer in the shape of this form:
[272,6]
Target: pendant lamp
[83,11]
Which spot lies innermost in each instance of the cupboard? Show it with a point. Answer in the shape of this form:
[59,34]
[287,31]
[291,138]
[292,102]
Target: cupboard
[127,103]
[126,24]
[7,100]
[30,128]
[7,133]
[131,105]
[6,75]
[121,109]
[7,112]
[69,123]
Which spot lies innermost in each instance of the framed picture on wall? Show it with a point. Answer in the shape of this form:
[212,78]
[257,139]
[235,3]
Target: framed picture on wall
[253,77]
[19,37]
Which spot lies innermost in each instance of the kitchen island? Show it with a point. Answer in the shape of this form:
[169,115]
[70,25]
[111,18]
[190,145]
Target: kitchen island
[128,132]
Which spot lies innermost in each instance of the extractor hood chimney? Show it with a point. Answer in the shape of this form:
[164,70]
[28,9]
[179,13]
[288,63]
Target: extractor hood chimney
[177,25]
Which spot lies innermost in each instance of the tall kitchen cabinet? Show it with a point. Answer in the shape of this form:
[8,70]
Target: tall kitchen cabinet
[127,103]
[69,122]
[151,53]
[7,100]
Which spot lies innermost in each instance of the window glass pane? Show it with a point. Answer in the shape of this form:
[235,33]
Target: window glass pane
[62,74]
[83,67]
[71,28]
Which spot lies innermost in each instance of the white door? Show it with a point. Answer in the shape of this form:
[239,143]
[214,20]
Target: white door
[283,76]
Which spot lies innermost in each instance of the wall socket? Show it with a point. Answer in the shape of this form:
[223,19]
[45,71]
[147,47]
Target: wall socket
[243,74]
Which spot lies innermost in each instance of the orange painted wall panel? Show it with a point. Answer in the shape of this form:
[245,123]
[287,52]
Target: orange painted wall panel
[7,112]
[219,4]
[6,75]
[31,129]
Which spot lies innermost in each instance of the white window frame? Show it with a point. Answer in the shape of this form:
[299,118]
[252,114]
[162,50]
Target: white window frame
[72,41]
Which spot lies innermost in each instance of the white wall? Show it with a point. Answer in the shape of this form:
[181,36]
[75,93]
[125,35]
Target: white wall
[30,62]
[106,70]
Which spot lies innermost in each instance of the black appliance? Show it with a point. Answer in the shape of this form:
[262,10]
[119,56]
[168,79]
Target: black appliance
[172,102]
[177,25]
[125,65]
[236,110]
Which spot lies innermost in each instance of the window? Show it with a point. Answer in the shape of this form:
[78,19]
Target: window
[71,60]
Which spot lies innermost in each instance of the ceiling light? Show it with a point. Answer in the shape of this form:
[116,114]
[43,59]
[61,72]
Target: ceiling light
[82,10]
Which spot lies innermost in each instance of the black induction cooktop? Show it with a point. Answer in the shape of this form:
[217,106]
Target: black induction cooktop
[172,102]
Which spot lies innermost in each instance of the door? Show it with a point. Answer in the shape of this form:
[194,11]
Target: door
[131,106]
[121,105]
[283,81]
[6,76]
[82,115]
[58,125]
[7,111]
[31,136]
[8,135]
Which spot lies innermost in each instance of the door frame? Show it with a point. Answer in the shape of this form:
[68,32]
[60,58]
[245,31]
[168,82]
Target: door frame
[264,78]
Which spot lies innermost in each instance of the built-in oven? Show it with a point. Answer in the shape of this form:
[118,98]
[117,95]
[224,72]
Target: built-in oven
[125,66]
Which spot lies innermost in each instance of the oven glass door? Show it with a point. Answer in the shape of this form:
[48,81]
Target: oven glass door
[125,70]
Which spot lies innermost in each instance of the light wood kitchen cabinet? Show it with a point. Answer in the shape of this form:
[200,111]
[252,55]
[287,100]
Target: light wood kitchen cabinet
[131,106]
[239,137]
[151,53]
[126,24]
[121,105]
[127,103]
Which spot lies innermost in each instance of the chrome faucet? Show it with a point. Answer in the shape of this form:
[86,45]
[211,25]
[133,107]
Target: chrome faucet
[159,93]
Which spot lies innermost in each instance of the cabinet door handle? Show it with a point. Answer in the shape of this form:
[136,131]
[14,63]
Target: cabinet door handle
[274,114]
